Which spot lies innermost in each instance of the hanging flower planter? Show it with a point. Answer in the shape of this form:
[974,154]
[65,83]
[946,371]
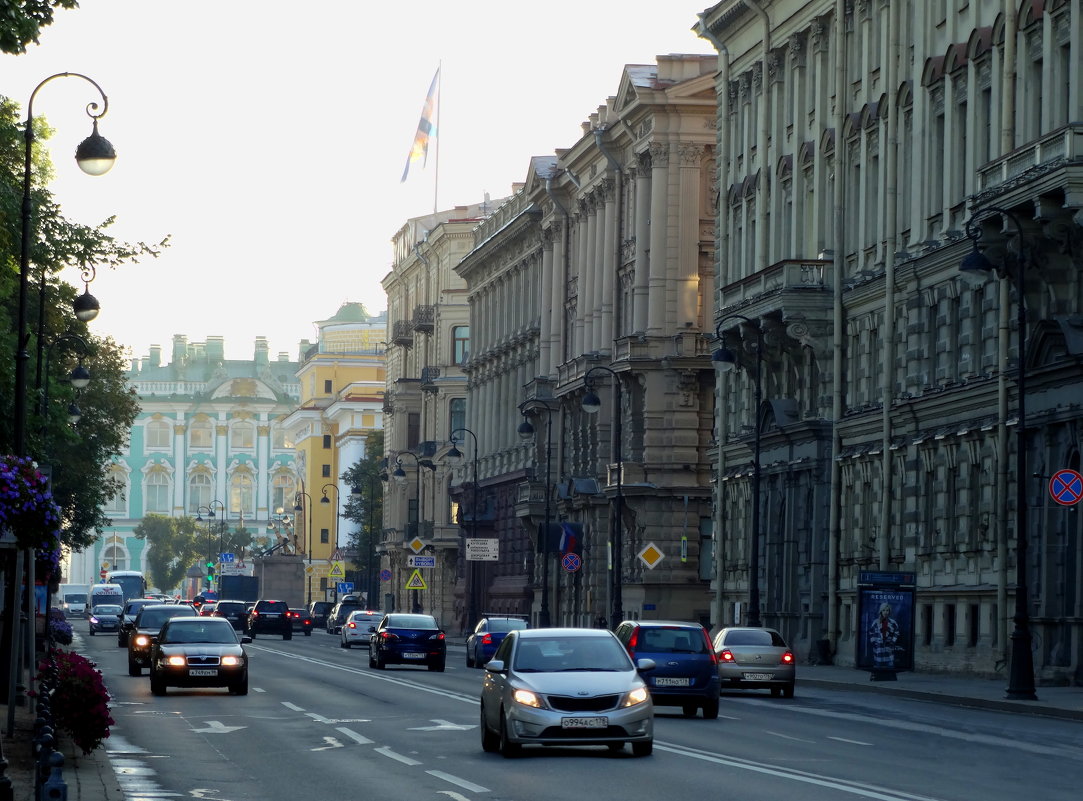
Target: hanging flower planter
[28,512]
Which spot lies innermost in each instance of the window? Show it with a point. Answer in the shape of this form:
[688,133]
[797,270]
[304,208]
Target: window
[457,417]
[460,343]
[949,624]
[325,535]
[157,434]
[200,435]
[279,440]
[325,471]
[927,624]
[973,625]
[199,492]
[242,435]
[327,442]
[241,494]
[116,556]
[157,492]
[283,491]
[328,387]
[118,504]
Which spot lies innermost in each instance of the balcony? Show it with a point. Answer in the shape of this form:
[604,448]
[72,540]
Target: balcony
[424,319]
[530,500]
[1053,162]
[402,333]
[428,378]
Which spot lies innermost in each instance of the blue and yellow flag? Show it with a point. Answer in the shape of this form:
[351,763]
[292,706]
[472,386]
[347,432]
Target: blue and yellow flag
[426,128]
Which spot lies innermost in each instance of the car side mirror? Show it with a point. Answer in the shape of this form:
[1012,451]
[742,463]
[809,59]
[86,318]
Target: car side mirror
[645,664]
[495,666]
[245,638]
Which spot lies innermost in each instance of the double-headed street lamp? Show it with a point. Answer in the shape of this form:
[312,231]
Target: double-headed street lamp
[455,458]
[976,268]
[591,404]
[79,378]
[526,432]
[725,360]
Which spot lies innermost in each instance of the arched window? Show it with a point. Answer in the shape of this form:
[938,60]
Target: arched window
[200,435]
[116,556]
[156,491]
[200,492]
[157,434]
[242,435]
[118,504]
[242,498]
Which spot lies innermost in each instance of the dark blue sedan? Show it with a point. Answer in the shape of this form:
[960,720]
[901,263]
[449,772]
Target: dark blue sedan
[486,636]
[408,639]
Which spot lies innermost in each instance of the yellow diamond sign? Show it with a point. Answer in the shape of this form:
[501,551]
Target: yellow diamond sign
[651,555]
[417,545]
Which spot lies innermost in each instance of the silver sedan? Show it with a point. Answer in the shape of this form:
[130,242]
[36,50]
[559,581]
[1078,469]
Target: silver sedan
[565,687]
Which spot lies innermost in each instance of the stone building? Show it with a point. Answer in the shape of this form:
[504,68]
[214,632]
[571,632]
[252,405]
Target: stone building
[864,150]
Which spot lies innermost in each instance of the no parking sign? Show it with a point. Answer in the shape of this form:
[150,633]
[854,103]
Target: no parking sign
[1066,487]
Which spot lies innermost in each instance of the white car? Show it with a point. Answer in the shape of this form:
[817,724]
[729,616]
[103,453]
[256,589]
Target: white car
[357,628]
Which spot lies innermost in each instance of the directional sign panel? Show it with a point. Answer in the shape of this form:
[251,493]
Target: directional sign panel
[417,560]
[480,549]
[226,558]
[416,582]
[344,586]
[1066,487]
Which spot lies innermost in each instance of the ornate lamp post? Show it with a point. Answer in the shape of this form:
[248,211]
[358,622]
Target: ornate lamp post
[297,507]
[325,499]
[455,458]
[222,524]
[725,360]
[591,404]
[976,268]
[400,477]
[526,431]
[79,378]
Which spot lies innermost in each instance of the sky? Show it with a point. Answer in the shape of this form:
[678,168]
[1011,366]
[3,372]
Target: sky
[267,138]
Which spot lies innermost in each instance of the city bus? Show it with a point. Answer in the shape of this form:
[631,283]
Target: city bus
[132,582]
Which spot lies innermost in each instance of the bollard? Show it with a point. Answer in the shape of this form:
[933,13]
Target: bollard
[45,743]
[54,788]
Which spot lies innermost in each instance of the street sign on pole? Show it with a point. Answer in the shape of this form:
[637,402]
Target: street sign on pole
[480,549]
[1066,487]
[417,560]
[344,586]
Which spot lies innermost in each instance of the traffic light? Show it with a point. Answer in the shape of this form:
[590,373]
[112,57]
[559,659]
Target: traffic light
[210,572]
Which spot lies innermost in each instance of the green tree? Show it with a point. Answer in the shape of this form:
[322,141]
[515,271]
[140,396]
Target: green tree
[80,456]
[21,21]
[175,544]
[364,507]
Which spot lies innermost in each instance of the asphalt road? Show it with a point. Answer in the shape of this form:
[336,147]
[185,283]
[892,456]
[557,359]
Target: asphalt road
[319,724]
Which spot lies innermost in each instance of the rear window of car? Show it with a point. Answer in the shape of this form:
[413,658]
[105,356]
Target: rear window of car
[366,617]
[150,618]
[320,607]
[272,606]
[230,607]
[498,624]
[671,640]
[412,622]
[754,638]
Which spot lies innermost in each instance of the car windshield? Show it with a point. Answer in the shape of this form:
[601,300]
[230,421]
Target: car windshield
[412,622]
[106,609]
[754,637]
[504,625]
[671,641]
[186,632]
[553,654]
[154,618]
[226,606]
[75,599]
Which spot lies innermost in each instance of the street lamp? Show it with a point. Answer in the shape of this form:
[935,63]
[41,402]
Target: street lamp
[325,499]
[79,378]
[976,268]
[591,404]
[725,360]
[526,432]
[400,477]
[297,507]
[455,458]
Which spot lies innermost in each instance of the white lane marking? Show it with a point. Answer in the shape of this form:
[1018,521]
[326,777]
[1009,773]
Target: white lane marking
[463,783]
[788,737]
[387,752]
[360,738]
[453,795]
[294,707]
[443,725]
[218,727]
[318,718]
[332,742]
[258,690]
[845,740]
[853,788]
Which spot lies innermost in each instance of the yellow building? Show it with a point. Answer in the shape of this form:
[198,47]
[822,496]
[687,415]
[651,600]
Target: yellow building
[342,379]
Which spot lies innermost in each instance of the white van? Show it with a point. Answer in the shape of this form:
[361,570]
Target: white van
[72,599]
[104,594]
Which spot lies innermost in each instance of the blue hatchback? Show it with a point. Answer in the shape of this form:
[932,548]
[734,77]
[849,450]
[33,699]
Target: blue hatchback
[686,668]
[482,642]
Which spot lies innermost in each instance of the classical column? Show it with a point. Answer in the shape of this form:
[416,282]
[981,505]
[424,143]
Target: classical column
[263,451]
[608,245]
[640,288]
[221,441]
[688,221]
[589,272]
[656,315]
[545,358]
[180,480]
[557,333]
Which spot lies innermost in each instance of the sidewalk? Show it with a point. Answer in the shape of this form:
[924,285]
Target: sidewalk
[90,777]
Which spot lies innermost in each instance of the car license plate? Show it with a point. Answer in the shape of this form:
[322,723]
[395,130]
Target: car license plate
[666,682]
[202,672]
[584,723]
[413,656]
[757,676]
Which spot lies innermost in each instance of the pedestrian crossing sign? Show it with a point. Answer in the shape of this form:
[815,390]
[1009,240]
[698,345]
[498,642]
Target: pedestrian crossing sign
[416,582]
[338,570]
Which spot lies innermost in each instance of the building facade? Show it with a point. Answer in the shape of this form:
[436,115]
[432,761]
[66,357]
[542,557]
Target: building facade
[864,150]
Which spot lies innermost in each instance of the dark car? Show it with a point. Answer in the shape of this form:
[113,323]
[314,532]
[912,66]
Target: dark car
[300,621]
[270,617]
[147,624]
[236,612]
[127,618]
[340,611]
[198,652]
[103,617]
[686,668]
[486,636]
[318,611]
[407,639]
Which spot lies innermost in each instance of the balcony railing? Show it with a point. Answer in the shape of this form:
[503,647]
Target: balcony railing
[779,277]
[424,319]
[1062,145]
[402,333]
[428,378]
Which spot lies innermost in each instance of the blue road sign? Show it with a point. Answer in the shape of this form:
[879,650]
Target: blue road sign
[385,575]
[344,586]
[1066,487]
[226,558]
[571,562]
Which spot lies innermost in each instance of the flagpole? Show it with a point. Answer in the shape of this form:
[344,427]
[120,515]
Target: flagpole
[436,178]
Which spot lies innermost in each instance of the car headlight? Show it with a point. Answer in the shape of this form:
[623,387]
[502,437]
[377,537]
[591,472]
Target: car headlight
[175,660]
[231,660]
[142,640]
[527,698]
[636,696]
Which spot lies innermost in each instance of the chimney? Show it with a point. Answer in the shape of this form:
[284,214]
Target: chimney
[180,348]
[263,353]
[216,350]
[155,359]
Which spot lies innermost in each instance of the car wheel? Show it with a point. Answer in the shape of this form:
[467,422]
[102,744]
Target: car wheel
[710,710]
[308,633]
[437,666]
[343,644]
[689,710]
[489,741]
[787,691]
[380,664]
[134,669]
[287,635]
[469,660]
[507,747]
[92,632]
[252,634]
[157,686]
[241,687]
[121,642]
[642,749]
[372,659]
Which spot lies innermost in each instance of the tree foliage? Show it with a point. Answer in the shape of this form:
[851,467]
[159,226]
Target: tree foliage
[79,457]
[364,507]
[174,546]
[21,21]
